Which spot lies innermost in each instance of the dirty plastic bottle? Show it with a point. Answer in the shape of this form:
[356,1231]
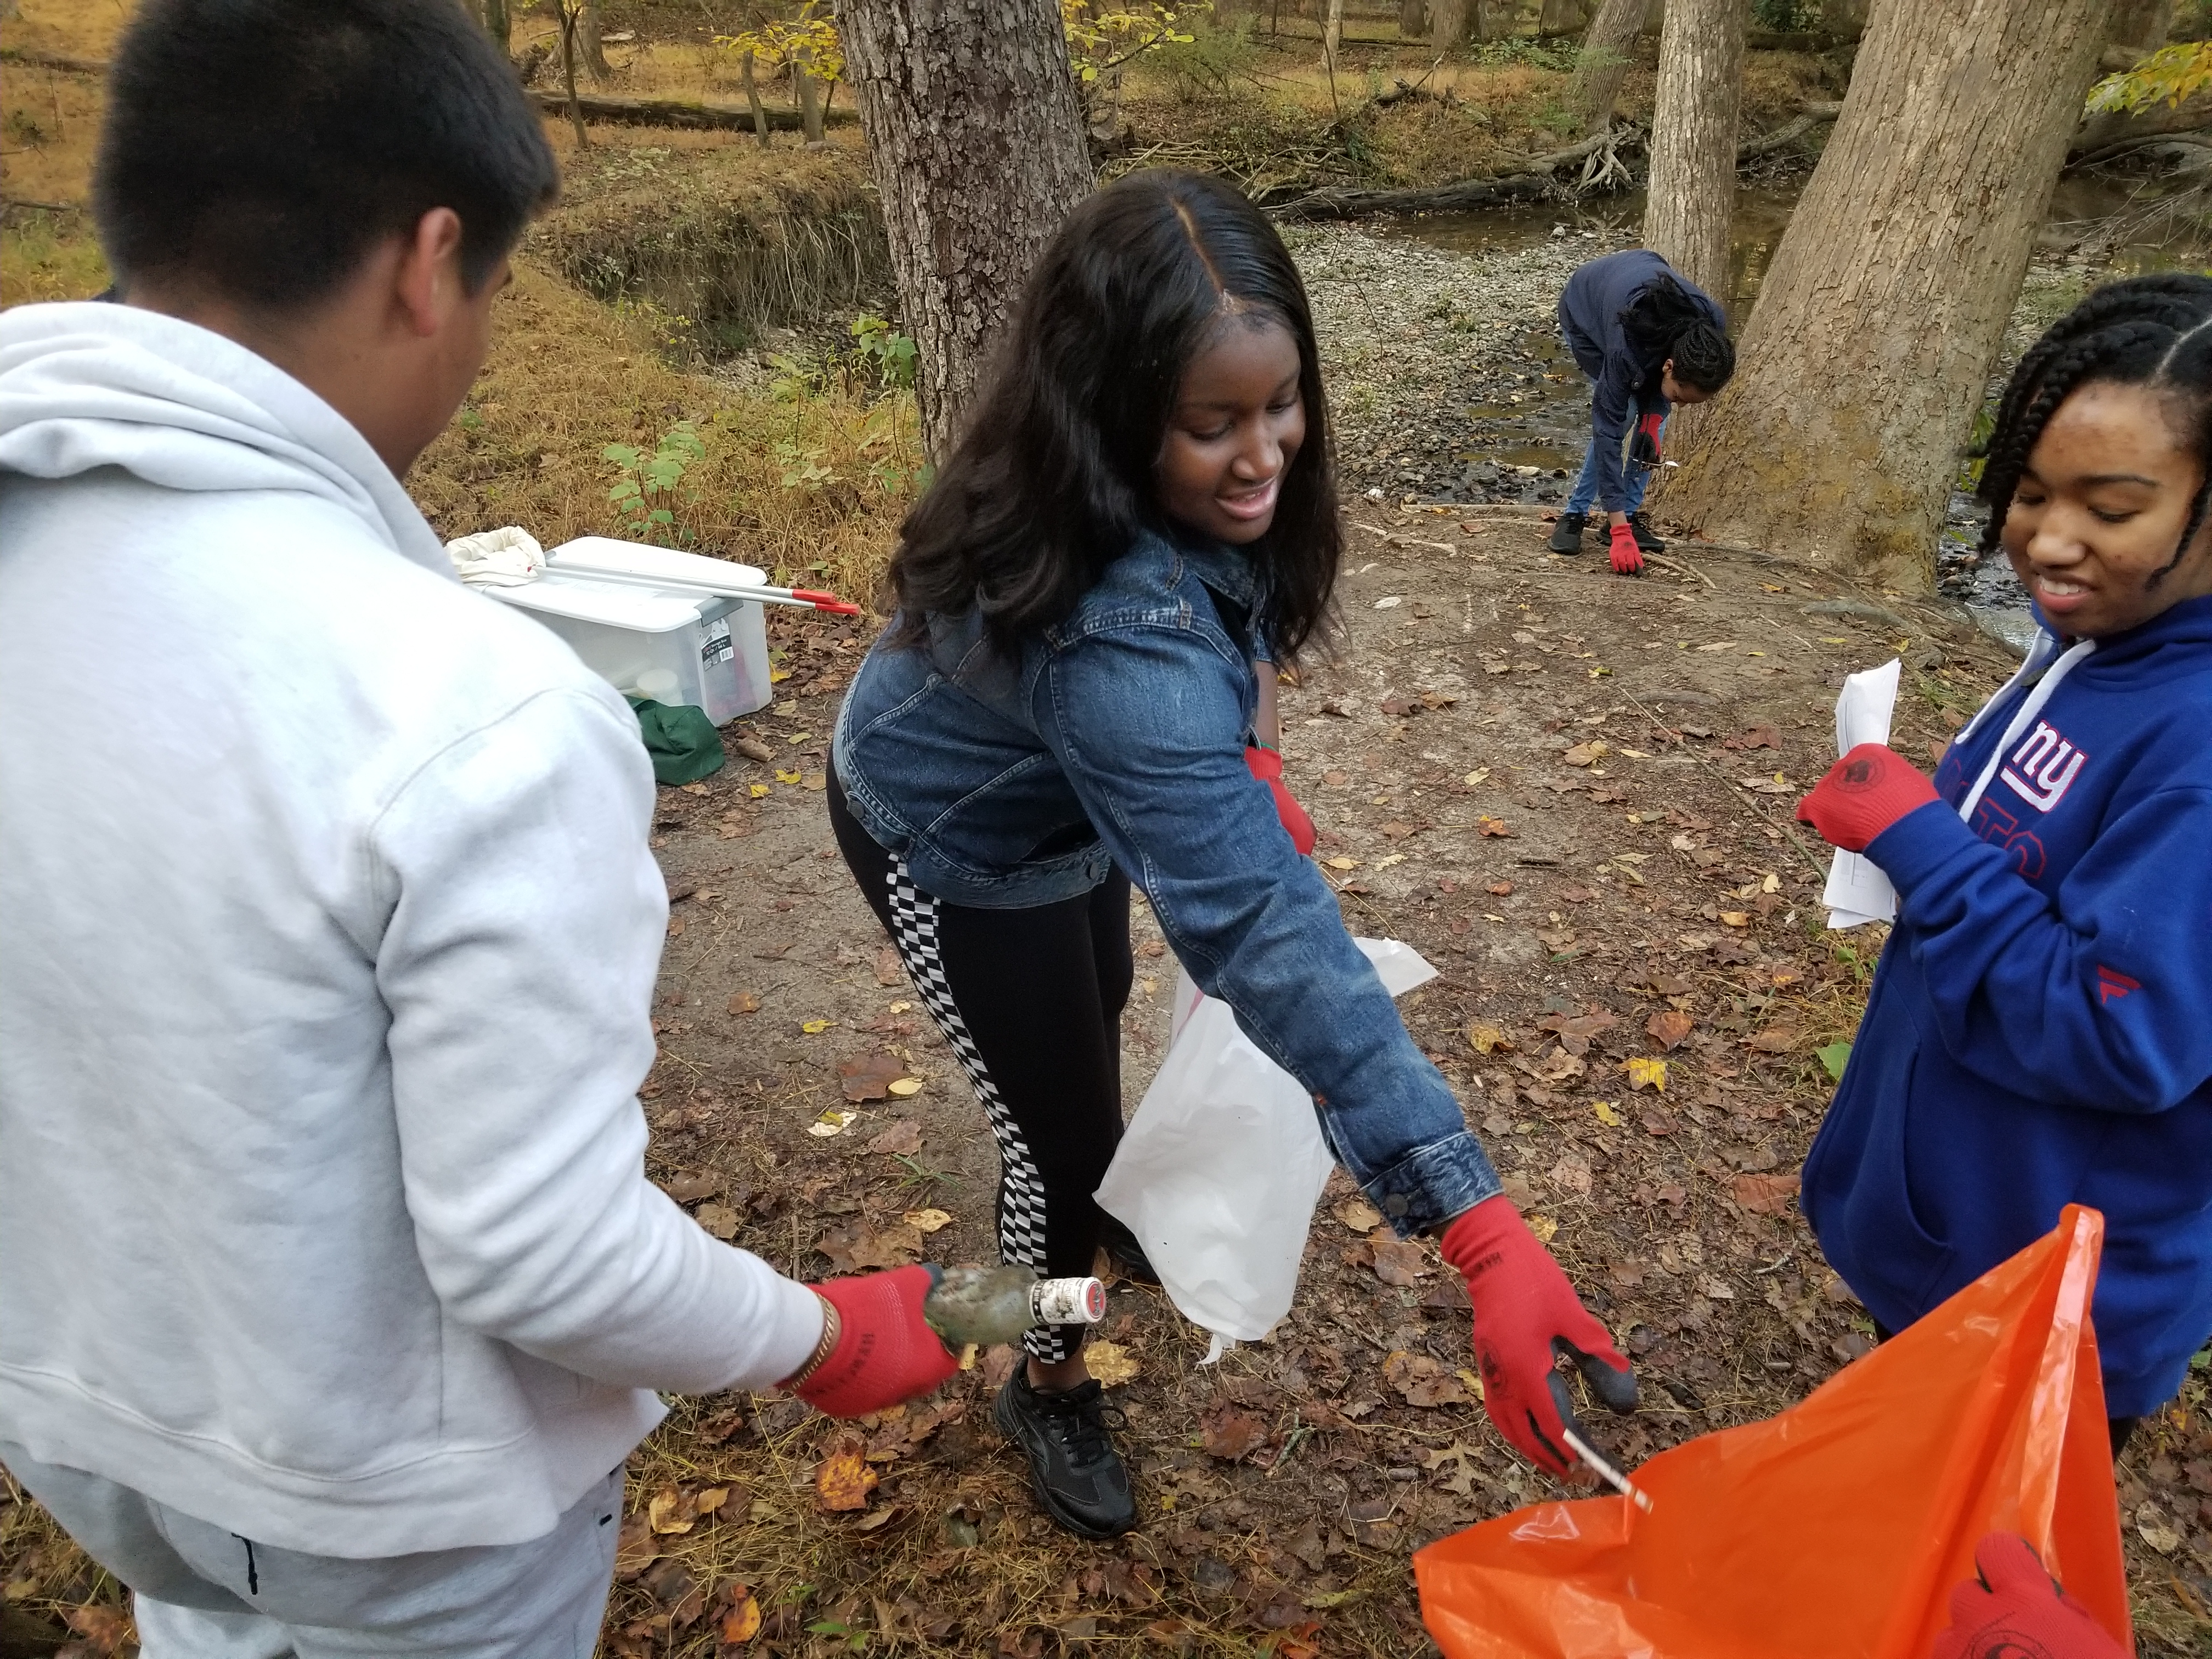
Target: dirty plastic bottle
[987,1305]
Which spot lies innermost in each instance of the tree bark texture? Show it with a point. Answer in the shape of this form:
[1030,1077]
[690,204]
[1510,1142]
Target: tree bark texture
[1412,19]
[594,54]
[1561,17]
[976,142]
[1881,315]
[753,100]
[1693,122]
[1607,45]
[498,23]
[1332,37]
[2140,26]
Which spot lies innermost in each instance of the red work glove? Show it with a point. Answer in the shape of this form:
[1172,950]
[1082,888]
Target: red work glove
[1525,1318]
[1627,557]
[2011,1608]
[1643,447]
[1267,766]
[885,1352]
[1864,792]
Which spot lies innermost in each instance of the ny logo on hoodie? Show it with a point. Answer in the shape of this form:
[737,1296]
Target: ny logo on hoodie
[2043,768]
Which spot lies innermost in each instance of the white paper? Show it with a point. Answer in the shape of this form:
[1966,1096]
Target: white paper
[1857,891]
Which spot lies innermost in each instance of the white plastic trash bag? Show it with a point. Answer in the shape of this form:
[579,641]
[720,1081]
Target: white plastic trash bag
[1218,1173]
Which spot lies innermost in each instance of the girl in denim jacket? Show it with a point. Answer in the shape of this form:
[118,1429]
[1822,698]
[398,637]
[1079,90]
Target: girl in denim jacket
[1065,701]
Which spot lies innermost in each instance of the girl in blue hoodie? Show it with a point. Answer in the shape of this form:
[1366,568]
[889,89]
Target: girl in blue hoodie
[2040,1030]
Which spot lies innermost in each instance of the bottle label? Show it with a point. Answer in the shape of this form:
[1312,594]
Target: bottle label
[1068,1300]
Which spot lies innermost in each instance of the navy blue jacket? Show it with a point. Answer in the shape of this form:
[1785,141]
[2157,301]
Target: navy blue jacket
[2040,1029]
[1589,316]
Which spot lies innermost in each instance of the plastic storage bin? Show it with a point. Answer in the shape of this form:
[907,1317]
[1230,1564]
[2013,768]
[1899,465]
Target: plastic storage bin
[687,647]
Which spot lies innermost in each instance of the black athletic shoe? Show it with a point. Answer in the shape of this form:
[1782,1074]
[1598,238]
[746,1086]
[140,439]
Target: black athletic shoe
[1079,1476]
[1646,536]
[1567,534]
[1128,1255]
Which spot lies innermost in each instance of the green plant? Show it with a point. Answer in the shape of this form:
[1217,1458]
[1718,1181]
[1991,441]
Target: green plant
[1785,17]
[2171,75]
[1101,41]
[1218,53]
[883,350]
[801,469]
[646,485]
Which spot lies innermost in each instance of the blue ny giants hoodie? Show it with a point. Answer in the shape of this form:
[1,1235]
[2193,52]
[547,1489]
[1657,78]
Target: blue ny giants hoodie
[2040,1030]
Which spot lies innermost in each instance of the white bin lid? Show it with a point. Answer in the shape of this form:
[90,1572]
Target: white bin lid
[639,559]
[640,609]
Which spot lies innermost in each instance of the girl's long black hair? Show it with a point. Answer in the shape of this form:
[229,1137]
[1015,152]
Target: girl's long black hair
[2149,331]
[1056,473]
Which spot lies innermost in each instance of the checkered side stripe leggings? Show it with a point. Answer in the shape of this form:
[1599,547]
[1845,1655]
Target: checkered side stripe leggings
[1021,1187]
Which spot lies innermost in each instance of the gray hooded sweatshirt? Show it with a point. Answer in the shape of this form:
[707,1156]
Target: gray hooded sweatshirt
[328,935]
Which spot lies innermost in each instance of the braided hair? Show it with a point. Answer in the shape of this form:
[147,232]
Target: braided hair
[2154,333]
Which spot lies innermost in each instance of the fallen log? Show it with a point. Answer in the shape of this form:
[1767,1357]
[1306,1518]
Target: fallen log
[52,60]
[689,113]
[1533,178]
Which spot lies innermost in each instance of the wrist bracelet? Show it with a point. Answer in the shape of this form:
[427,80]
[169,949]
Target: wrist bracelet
[832,1329]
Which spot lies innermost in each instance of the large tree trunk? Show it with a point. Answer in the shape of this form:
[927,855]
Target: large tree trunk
[1603,64]
[2140,26]
[1453,23]
[594,54]
[808,90]
[1561,17]
[1412,19]
[498,23]
[1332,39]
[1686,220]
[976,145]
[1881,317]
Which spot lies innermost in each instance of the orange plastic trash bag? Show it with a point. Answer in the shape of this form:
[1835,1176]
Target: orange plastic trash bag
[1835,1530]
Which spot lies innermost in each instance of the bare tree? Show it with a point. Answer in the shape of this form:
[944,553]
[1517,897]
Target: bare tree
[975,141]
[571,11]
[1332,39]
[1561,17]
[594,54]
[1453,23]
[1412,19]
[1693,191]
[1881,317]
[1603,64]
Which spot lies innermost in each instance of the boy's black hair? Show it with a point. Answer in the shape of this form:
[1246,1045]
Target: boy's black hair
[1057,473]
[259,147]
[2149,331]
[1664,322]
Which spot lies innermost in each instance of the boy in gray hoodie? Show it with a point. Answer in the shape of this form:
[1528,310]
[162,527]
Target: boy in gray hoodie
[332,1288]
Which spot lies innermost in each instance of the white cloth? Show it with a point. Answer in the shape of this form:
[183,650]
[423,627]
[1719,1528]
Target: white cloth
[330,935]
[203,1592]
[507,557]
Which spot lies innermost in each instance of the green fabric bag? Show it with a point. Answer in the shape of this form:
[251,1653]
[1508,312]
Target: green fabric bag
[683,742]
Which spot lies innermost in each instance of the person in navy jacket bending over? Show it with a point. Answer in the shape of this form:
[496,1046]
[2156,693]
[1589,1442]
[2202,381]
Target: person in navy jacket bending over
[2040,1030]
[1648,337]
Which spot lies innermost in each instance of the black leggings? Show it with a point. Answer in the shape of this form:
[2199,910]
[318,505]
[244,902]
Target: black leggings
[1031,1001]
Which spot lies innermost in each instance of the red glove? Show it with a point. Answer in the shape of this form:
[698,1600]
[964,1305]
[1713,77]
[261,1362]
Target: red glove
[2011,1608]
[1627,557]
[1267,766]
[885,1352]
[1643,447]
[1525,1316]
[1864,792]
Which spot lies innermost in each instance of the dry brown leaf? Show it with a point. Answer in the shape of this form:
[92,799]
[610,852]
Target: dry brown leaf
[1487,825]
[693,1185]
[1488,1039]
[902,1138]
[1357,1213]
[1396,1260]
[1774,1039]
[1764,1194]
[745,1002]
[740,1620]
[1571,1174]
[1229,1431]
[926,1221]
[104,1629]
[1645,1073]
[671,1510]
[1111,1364]
[720,1220]
[635,1549]
[1586,754]
[1423,1381]
[844,1479]
[853,1246]
[888,969]
[1668,1028]
[869,1078]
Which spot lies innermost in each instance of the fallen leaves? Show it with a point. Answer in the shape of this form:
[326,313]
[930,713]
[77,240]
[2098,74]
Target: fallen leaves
[1586,754]
[816,1027]
[1488,1039]
[1460,1458]
[1773,1040]
[1393,1260]
[844,1479]
[1357,1213]
[739,1619]
[1608,1113]
[1575,1031]
[888,970]
[1834,1057]
[719,1220]
[1110,1364]
[1421,1381]
[1487,825]
[854,1246]
[1764,1194]
[926,1221]
[1571,1174]
[1645,1073]
[831,1122]
[676,1509]
[905,1088]
[1228,1431]
[901,1140]
[1668,1028]
[745,1002]
[869,1078]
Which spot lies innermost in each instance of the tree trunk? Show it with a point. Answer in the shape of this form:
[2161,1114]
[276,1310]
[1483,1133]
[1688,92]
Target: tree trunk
[1448,24]
[1561,17]
[1332,37]
[753,99]
[1881,315]
[1842,20]
[498,23]
[569,73]
[587,39]
[809,90]
[2140,26]
[1694,124]
[976,145]
[1413,19]
[1603,63]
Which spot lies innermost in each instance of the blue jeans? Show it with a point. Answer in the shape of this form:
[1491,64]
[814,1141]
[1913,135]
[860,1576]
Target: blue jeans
[1635,479]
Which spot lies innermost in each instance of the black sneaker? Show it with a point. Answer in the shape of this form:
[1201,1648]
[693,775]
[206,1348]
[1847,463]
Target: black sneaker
[1567,534]
[1128,1255]
[1646,536]
[1078,1475]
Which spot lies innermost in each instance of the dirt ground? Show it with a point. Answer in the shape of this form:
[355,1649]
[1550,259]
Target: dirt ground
[1572,793]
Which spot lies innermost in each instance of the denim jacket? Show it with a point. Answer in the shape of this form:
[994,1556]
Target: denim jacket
[1117,737]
